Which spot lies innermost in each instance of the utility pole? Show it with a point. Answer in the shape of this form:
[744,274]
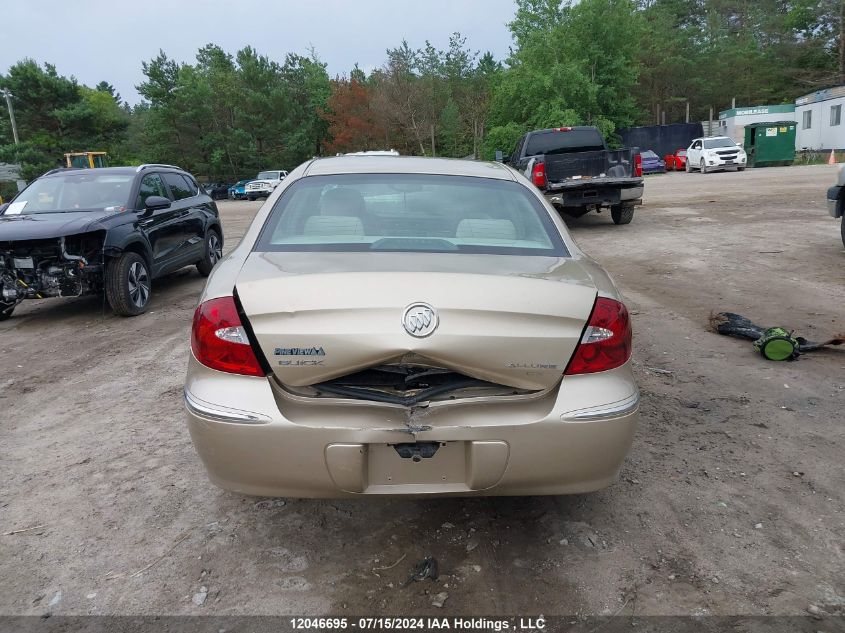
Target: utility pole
[8,96]
[687,111]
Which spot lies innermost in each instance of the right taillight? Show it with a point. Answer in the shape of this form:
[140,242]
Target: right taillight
[606,343]
[219,340]
[538,175]
[638,165]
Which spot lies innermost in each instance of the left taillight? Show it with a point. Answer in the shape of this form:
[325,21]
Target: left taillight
[606,342]
[219,340]
[538,175]
[638,165]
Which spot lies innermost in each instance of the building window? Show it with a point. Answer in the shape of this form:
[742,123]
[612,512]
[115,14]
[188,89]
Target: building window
[835,115]
[808,120]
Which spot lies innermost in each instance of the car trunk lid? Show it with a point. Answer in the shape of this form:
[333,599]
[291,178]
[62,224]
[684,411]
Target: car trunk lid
[512,321]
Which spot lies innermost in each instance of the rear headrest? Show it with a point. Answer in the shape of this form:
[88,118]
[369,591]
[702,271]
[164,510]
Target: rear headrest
[333,225]
[342,201]
[486,229]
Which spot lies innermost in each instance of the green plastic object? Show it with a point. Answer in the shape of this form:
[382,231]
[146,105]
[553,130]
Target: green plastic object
[770,143]
[777,343]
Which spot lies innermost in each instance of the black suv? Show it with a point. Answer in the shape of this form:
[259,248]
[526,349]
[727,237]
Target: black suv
[113,230]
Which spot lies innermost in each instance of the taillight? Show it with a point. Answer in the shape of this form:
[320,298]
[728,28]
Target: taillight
[638,165]
[538,175]
[563,129]
[219,341]
[606,343]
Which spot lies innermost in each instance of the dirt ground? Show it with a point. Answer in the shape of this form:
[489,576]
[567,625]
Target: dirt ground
[731,501]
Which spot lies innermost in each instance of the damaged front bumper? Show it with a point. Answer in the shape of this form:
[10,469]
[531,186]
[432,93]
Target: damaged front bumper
[570,439]
[58,267]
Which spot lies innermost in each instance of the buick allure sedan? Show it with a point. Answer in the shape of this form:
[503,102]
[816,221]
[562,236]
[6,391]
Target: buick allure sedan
[409,326]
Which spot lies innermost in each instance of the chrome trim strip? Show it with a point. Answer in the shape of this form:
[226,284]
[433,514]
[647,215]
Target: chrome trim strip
[607,411]
[220,413]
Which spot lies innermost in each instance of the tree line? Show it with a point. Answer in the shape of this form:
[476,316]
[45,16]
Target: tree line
[608,63]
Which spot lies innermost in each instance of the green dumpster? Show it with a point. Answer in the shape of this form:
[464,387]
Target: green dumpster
[770,143]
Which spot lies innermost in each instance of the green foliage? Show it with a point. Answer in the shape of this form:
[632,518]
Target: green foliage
[56,115]
[502,137]
[608,63]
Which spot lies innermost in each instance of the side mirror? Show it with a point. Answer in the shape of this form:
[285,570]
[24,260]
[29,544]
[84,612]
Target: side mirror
[156,202]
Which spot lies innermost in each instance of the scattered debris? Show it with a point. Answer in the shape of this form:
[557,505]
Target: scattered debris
[774,343]
[29,529]
[447,526]
[563,541]
[440,599]
[200,597]
[471,545]
[758,526]
[476,568]
[657,370]
[56,599]
[376,569]
[426,568]
[267,504]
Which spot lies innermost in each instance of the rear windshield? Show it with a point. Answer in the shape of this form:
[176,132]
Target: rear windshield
[410,213]
[91,190]
[713,143]
[682,152]
[648,154]
[267,175]
[562,142]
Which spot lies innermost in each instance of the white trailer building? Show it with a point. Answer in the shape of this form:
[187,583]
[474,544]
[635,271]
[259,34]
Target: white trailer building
[820,121]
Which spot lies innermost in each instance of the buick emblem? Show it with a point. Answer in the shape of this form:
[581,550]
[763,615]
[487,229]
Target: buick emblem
[420,320]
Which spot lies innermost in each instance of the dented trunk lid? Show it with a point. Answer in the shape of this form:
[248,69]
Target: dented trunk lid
[509,320]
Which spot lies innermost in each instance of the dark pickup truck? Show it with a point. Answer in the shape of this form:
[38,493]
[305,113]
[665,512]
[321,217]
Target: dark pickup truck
[577,173]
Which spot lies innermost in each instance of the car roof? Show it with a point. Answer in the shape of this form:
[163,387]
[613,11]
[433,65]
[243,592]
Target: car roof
[113,170]
[406,165]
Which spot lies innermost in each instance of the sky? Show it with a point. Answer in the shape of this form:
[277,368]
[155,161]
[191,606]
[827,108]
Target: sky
[97,40]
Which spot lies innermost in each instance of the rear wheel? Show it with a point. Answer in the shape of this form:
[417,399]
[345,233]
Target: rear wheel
[6,309]
[213,253]
[128,284]
[622,214]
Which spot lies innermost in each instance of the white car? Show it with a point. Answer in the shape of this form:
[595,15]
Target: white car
[713,153]
[264,184]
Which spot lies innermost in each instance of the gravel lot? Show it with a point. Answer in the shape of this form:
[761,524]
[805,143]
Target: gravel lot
[731,501]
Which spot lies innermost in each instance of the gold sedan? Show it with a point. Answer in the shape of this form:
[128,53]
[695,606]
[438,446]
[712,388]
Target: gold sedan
[409,326]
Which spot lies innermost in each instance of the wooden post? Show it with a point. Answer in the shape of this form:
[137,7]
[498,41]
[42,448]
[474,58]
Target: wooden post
[710,123]
[687,111]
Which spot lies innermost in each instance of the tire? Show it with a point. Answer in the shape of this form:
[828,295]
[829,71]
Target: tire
[251,198]
[740,168]
[703,167]
[6,309]
[687,167]
[622,214]
[213,252]
[842,229]
[128,284]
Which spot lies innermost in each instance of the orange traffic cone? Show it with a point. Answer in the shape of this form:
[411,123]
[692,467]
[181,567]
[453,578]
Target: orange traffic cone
[832,159]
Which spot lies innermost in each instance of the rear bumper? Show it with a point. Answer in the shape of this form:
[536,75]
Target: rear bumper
[834,208]
[584,196]
[545,446]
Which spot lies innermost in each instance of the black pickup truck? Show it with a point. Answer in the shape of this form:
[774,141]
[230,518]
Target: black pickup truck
[577,173]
